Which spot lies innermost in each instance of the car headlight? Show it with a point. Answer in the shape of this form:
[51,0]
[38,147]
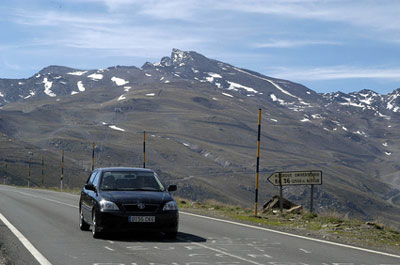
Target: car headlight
[170,206]
[108,206]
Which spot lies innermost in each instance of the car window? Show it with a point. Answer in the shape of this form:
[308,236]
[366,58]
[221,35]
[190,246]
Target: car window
[130,180]
[96,179]
[92,176]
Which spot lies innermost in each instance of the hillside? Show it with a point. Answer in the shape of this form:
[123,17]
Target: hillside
[200,116]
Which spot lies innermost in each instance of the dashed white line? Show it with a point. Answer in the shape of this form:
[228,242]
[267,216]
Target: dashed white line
[108,248]
[38,197]
[28,245]
[222,252]
[293,235]
[305,251]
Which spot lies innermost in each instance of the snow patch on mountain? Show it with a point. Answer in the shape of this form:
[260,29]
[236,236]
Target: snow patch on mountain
[150,94]
[391,102]
[235,87]
[77,73]
[1,95]
[80,86]
[276,86]
[116,128]
[276,99]
[47,87]
[31,94]
[362,133]
[122,97]
[351,103]
[119,81]
[227,95]
[95,76]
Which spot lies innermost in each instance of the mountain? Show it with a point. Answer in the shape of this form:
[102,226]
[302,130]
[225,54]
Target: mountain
[200,116]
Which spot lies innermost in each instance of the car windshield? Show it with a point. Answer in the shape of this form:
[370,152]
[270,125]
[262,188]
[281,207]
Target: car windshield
[130,181]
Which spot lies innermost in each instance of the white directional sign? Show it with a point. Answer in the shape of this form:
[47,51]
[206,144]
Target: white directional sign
[296,178]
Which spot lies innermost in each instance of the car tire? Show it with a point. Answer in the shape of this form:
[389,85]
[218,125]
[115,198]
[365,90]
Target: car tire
[82,224]
[95,229]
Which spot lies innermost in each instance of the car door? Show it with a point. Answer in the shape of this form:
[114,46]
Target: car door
[86,197]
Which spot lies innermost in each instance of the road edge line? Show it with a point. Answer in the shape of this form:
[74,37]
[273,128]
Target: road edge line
[28,245]
[293,235]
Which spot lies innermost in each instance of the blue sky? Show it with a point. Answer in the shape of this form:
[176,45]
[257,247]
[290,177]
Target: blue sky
[327,45]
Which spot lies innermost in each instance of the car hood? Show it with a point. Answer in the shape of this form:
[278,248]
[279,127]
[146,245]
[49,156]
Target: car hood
[135,197]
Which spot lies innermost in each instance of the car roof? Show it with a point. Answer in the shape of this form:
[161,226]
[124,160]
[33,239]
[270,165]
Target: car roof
[125,169]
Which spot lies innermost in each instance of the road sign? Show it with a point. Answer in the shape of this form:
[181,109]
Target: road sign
[296,178]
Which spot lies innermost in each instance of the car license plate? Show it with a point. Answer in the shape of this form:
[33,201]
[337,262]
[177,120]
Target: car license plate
[142,219]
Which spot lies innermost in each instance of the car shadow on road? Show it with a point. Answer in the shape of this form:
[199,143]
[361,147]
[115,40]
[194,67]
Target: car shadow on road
[153,237]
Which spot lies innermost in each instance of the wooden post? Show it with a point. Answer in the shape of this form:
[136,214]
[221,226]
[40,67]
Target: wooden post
[5,174]
[93,148]
[42,170]
[258,163]
[144,149]
[29,174]
[280,192]
[62,170]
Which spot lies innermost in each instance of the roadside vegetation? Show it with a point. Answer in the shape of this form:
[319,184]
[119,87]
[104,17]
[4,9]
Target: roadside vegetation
[330,226]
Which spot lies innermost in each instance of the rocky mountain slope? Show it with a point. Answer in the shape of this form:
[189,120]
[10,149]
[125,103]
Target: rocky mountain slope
[200,116]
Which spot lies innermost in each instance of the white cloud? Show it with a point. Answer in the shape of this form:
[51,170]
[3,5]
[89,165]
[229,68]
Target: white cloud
[381,15]
[337,72]
[293,43]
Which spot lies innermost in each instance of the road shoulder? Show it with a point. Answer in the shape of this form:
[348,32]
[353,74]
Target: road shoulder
[12,251]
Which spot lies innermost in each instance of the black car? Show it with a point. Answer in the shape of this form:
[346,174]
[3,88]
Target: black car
[131,199]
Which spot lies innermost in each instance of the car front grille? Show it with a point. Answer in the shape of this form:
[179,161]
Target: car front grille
[137,208]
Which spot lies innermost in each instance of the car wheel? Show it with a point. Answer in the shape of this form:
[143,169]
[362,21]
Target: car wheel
[95,229]
[171,235]
[82,224]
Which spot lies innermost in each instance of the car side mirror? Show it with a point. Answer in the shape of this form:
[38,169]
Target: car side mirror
[90,186]
[172,188]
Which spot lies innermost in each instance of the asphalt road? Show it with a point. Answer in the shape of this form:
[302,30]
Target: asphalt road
[48,225]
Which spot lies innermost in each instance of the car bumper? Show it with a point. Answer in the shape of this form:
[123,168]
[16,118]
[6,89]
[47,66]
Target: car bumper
[164,222]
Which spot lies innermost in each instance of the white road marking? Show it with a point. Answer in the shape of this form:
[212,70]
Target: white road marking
[293,235]
[108,248]
[28,245]
[222,252]
[305,251]
[50,200]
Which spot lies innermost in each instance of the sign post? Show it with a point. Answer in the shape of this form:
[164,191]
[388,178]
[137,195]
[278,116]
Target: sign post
[312,178]
[258,162]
